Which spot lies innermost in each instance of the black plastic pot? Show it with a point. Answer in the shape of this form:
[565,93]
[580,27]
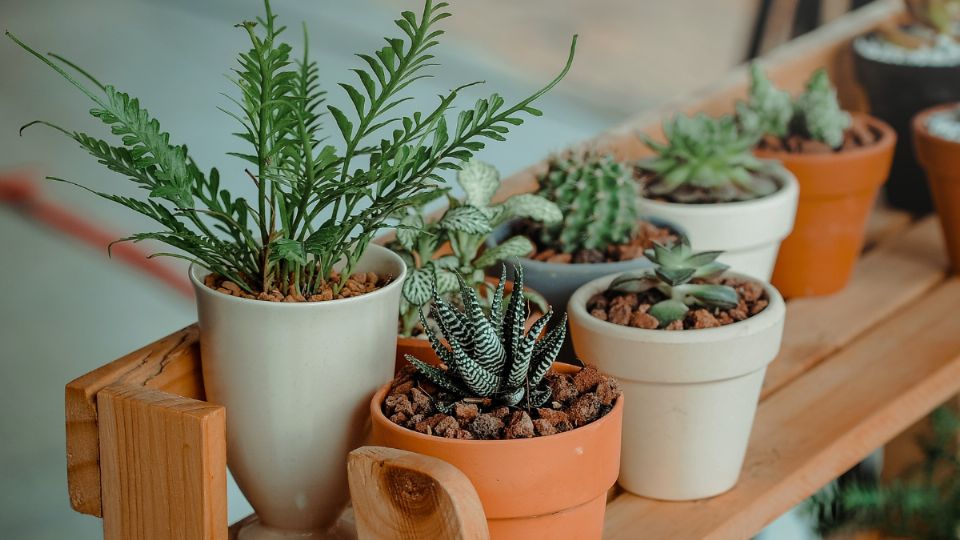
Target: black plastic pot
[896,92]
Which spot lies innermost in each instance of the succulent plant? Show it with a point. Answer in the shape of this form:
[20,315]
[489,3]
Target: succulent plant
[490,356]
[465,226]
[706,159]
[598,199]
[674,267]
[815,114]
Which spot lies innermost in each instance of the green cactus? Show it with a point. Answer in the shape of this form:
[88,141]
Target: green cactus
[769,110]
[598,198]
[706,159]
[674,267]
[818,112]
[490,356]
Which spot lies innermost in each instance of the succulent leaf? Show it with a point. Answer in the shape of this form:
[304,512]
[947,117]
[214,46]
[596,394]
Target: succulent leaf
[668,311]
[720,296]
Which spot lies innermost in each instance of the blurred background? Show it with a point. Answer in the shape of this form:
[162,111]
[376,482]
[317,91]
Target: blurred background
[67,308]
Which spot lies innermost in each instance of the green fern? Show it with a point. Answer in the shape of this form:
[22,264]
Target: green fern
[317,205]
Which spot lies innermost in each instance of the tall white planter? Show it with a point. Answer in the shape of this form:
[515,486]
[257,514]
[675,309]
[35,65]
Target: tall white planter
[296,379]
[748,232]
[691,395]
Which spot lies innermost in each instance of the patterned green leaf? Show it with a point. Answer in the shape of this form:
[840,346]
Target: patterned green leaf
[531,206]
[418,287]
[512,248]
[465,219]
[479,181]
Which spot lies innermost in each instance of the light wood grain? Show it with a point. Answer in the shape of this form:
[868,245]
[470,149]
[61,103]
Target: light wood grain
[171,364]
[778,27]
[164,470]
[399,495]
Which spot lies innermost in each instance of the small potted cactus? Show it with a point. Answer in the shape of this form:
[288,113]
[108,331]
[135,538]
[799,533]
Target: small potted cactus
[437,251]
[541,445]
[906,67]
[936,134]
[840,161]
[705,179]
[689,344]
[600,230]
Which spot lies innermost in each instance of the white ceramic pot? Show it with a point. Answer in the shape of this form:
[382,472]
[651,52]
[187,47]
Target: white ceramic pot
[748,232]
[691,395]
[296,379]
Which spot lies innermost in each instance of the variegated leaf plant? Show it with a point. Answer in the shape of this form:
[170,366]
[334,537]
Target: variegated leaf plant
[489,355]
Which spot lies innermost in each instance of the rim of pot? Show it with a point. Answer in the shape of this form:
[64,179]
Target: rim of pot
[770,316]
[873,35]
[919,122]
[376,412]
[201,287]
[788,189]
[615,266]
[888,138]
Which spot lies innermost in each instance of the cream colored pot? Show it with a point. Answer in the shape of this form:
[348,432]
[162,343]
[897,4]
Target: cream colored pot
[748,232]
[691,395]
[296,379]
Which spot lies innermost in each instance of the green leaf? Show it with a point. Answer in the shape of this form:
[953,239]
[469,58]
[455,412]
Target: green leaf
[465,219]
[635,282]
[668,311]
[517,246]
[287,249]
[531,206]
[479,181]
[720,296]
[675,276]
[411,227]
[418,287]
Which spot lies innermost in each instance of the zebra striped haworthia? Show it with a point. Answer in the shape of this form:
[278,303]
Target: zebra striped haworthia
[491,356]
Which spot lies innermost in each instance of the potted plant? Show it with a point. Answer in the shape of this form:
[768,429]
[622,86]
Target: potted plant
[540,445]
[689,345]
[936,134]
[600,230]
[297,310]
[839,159]
[705,179]
[437,251]
[904,68]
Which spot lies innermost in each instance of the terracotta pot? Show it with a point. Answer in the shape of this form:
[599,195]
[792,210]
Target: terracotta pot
[940,158]
[837,192]
[421,349]
[296,379]
[748,232]
[691,395]
[543,487]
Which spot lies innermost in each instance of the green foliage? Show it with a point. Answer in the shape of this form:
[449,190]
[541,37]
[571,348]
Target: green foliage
[317,204]
[925,505]
[464,226]
[706,159]
[490,356]
[598,198]
[940,15]
[674,267]
[815,114]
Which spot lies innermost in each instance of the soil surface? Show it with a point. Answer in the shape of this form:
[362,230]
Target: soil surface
[859,135]
[630,309]
[647,233]
[357,284]
[577,400]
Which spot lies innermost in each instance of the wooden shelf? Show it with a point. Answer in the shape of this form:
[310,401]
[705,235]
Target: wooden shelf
[856,369]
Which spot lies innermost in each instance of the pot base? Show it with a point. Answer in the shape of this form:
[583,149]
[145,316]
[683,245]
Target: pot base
[255,530]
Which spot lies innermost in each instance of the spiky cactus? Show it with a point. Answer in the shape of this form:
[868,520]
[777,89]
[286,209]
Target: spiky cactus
[598,198]
[706,159]
[674,267]
[819,112]
[768,110]
[491,356]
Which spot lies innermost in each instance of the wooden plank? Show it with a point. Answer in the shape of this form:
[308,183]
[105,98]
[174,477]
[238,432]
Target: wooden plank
[885,223]
[777,29]
[886,279]
[824,422]
[171,364]
[164,469]
[399,495]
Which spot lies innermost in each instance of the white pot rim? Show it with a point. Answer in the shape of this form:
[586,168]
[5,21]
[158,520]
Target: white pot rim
[771,315]
[196,273]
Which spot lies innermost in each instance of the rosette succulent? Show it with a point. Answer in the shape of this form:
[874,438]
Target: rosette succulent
[598,199]
[674,268]
[706,159]
[490,356]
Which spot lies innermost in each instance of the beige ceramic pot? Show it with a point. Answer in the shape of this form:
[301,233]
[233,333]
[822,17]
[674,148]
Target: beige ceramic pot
[296,379]
[690,395]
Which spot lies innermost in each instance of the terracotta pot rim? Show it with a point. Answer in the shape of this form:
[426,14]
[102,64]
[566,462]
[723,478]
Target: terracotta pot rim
[888,137]
[788,184]
[376,415]
[919,122]
[768,317]
[199,285]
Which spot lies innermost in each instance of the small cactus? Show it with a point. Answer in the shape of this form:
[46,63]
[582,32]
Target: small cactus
[674,267]
[819,113]
[598,198]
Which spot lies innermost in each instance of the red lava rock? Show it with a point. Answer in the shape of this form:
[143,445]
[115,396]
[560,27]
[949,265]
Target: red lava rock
[642,319]
[558,419]
[457,433]
[421,401]
[399,418]
[608,391]
[758,307]
[704,319]
[586,379]
[487,426]
[750,291]
[399,403]
[446,423]
[599,313]
[501,412]
[519,427]
[465,412]
[584,409]
[562,388]
[543,428]
[619,314]
[675,325]
[598,301]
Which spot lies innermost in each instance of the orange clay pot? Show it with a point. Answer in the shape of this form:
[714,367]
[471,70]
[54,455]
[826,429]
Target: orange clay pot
[543,487]
[940,158]
[421,349]
[837,192]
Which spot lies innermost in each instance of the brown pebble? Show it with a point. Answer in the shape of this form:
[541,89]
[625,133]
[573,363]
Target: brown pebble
[608,391]
[704,319]
[562,388]
[758,307]
[402,388]
[501,412]
[487,426]
[399,418]
[421,401]
[619,313]
[458,433]
[448,422]
[519,427]
[231,286]
[543,428]
[641,319]
[584,409]
[750,291]
[598,301]
[586,379]
[599,313]
[675,325]
[465,412]
[559,419]
[399,403]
